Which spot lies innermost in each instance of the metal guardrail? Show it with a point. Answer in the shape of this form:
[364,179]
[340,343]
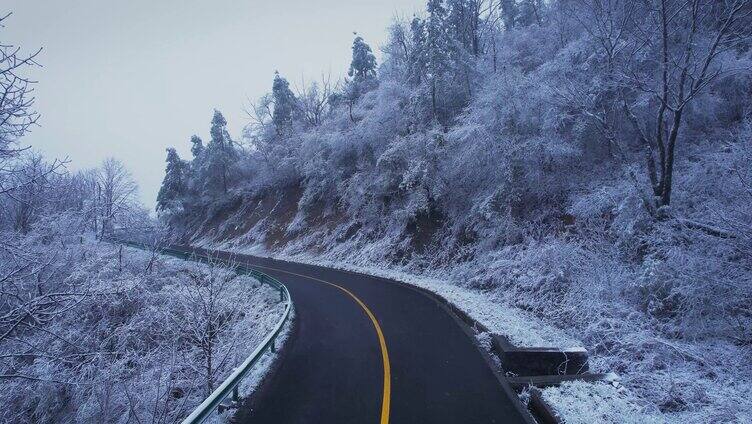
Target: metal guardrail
[230,385]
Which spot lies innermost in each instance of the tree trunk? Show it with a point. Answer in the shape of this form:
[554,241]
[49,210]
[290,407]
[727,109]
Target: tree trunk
[209,364]
[433,98]
[668,173]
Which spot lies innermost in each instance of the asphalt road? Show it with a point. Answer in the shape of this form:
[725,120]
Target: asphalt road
[367,350]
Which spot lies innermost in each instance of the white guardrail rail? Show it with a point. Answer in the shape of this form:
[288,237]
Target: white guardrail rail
[230,385]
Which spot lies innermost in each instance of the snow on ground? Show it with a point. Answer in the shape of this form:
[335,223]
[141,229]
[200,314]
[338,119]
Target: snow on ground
[587,403]
[258,373]
[520,327]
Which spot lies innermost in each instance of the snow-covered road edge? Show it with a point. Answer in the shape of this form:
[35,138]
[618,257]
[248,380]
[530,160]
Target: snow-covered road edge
[259,373]
[522,328]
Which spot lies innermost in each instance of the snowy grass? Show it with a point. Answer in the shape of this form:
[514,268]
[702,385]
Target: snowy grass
[587,403]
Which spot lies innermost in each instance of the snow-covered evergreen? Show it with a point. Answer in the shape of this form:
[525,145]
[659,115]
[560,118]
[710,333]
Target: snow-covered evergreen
[363,65]
[174,185]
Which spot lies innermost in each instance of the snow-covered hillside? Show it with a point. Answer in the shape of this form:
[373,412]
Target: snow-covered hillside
[586,161]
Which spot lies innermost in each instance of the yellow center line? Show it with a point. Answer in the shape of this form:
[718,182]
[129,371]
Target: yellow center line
[382,342]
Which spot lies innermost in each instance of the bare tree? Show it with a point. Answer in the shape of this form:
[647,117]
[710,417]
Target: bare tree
[27,198]
[32,293]
[162,400]
[260,112]
[260,116]
[313,99]
[203,315]
[32,297]
[685,40]
[607,22]
[17,113]
[398,47]
[658,60]
[116,193]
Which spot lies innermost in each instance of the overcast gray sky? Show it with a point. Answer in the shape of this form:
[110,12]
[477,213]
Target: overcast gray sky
[129,78]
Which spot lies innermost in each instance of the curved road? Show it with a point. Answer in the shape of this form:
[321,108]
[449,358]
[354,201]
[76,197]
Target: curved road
[368,350]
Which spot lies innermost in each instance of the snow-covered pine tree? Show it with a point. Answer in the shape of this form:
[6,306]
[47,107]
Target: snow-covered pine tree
[220,154]
[363,73]
[197,146]
[464,22]
[174,184]
[194,174]
[218,131]
[363,65]
[284,105]
[439,60]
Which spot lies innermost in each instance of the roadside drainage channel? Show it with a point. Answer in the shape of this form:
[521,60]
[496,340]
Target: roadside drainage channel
[533,368]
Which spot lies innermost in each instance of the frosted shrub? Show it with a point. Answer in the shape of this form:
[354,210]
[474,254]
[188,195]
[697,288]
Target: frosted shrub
[147,338]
